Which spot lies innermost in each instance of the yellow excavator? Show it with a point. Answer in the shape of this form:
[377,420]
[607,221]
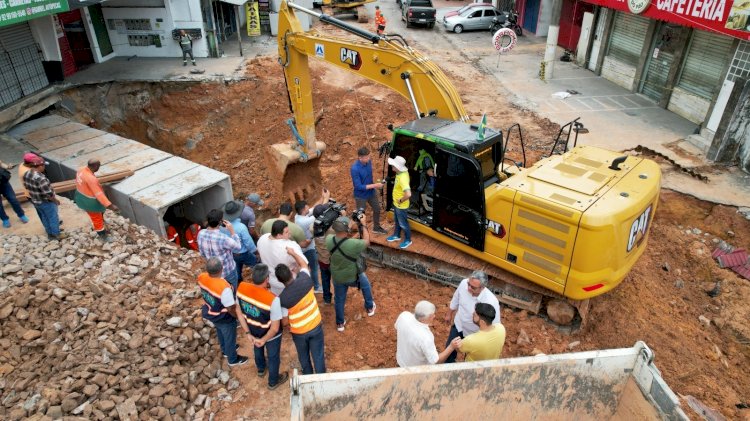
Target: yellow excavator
[339,8]
[567,229]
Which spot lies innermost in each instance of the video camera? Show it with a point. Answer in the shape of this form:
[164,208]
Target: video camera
[324,221]
[357,215]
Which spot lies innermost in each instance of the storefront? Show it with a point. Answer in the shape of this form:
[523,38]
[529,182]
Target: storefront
[29,55]
[675,52]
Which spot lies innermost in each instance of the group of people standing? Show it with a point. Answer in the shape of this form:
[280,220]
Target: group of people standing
[89,196]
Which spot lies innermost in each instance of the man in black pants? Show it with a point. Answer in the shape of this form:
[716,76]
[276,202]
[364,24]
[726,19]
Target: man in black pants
[365,189]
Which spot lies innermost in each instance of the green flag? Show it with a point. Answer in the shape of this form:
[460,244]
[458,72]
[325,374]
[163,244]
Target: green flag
[480,130]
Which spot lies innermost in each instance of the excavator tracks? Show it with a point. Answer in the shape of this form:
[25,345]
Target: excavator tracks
[432,260]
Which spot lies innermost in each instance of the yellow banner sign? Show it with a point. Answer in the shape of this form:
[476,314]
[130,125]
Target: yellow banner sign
[253,19]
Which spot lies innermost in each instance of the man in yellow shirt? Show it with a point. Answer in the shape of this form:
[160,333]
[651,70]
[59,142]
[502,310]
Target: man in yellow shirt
[487,343]
[401,194]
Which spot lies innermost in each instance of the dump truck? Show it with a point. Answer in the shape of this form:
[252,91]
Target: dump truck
[562,231]
[615,384]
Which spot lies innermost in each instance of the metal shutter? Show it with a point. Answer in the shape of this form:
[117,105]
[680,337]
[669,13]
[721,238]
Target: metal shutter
[20,63]
[702,71]
[627,38]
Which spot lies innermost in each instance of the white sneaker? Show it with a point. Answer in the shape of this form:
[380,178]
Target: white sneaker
[340,327]
[319,290]
[371,312]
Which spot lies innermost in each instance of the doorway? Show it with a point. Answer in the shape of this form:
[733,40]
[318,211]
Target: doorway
[531,15]
[78,43]
[666,41]
[100,29]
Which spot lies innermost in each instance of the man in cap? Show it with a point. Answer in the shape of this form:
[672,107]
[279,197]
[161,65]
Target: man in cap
[344,269]
[401,194]
[246,255]
[41,195]
[91,198]
[252,201]
[7,190]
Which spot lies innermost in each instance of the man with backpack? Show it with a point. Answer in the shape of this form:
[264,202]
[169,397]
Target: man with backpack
[345,270]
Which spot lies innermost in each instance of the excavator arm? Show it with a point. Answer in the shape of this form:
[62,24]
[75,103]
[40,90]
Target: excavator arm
[386,60]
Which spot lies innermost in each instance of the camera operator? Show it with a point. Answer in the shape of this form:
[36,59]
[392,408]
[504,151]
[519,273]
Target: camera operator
[324,256]
[345,252]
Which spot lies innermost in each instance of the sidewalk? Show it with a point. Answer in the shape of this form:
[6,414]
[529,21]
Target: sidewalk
[616,118]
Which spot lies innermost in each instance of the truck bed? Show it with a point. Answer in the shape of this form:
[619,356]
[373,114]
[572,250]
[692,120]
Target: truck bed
[617,384]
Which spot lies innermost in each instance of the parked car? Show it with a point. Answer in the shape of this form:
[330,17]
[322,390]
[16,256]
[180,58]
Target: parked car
[463,9]
[472,18]
[419,12]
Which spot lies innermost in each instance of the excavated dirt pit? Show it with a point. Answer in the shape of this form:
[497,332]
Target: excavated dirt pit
[231,127]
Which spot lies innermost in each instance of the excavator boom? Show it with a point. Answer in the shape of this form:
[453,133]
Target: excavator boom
[389,62]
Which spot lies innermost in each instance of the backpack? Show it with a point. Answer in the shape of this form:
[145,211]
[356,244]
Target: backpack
[360,261]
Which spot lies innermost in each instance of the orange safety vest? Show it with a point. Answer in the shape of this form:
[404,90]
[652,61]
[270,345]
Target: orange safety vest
[172,235]
[88,185]
[380,20]
[211,289]
[305,315]
[192,238]
[255,304]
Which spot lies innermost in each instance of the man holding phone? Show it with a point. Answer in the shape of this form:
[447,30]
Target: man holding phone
[213,243]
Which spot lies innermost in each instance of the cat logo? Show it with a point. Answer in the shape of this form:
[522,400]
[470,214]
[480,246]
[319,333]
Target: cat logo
[638,229]
[495,228]
[351,58]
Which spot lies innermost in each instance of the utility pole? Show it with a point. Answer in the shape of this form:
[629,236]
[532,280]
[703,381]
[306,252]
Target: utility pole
[239,30]
[554,31]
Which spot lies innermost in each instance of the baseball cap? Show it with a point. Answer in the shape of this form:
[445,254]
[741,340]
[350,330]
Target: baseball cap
[255,198]
[34,159]
[341,224]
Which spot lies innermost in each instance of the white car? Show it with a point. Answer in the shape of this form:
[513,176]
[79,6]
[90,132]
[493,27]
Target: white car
[471,17]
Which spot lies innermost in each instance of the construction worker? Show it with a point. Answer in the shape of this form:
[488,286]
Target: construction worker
[260,317]
[220,309]
[186,44]
[172,234]
[191,236]
[303,318]
[42,196]
[91,198]
[379,21]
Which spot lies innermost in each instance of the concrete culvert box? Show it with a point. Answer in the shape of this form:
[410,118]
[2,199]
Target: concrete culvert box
[161,180]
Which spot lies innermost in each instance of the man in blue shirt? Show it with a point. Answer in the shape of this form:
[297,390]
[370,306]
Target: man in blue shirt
[365,189]
[246,255]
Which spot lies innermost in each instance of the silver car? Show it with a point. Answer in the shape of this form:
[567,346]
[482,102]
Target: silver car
[479,16]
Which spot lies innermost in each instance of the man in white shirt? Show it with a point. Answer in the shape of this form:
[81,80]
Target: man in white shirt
[272,251]
[415,343]
[471,291]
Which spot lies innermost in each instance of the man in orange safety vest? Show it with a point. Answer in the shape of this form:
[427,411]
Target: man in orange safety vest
[91,198]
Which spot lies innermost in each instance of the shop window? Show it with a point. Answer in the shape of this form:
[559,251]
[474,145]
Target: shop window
[740,67]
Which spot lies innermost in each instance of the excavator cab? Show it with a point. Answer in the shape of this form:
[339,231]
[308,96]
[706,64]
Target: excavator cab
[464,166]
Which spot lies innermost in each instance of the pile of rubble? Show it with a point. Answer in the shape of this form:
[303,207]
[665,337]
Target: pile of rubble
[105,331]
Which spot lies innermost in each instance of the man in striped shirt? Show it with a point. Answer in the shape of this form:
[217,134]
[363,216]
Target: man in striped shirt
[42,196]
[213,243]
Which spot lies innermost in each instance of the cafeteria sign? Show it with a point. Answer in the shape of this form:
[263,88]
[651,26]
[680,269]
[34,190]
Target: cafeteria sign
[15,11]
[253,19]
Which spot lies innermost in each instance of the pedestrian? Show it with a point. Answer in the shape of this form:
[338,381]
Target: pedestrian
[42,196]
[186,43]
[365,189]
[487,343]
[470,291]
[7,190]
[261,320]
[303,315]
[379,21]
[252,201]
[401,195]
[415,343]
[345,271]
[246,255]
[295,231]
[272,250]
[324,257]
[306,220]
[91,198]
[220,309]
[213,243]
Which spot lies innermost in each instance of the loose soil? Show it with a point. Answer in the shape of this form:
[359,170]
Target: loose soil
[231,127]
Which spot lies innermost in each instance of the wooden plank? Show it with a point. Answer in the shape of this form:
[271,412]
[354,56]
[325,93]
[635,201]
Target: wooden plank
[51,132]
[38,124]
[121,149]
[83,148]
[70,185]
